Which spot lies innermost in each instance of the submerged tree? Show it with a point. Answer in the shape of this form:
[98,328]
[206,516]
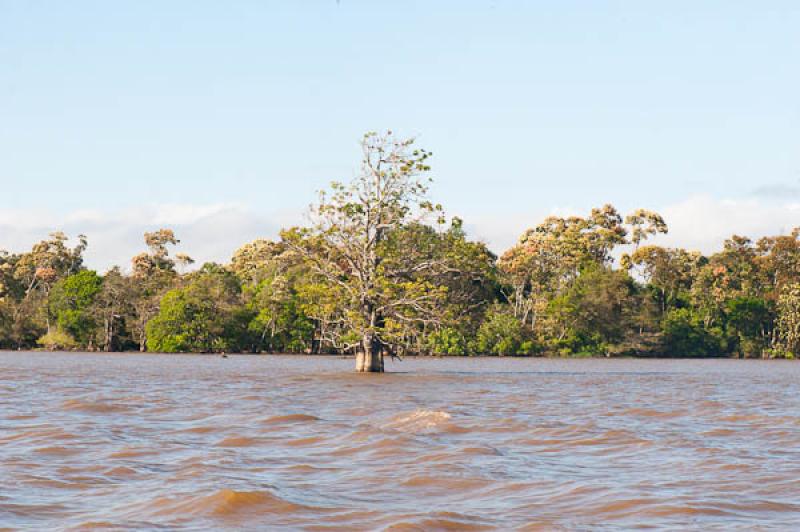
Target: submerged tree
[353,249]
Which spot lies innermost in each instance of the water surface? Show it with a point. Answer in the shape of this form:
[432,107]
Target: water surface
[185,442]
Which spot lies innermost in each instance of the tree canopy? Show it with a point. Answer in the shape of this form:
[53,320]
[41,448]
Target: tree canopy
[379,271]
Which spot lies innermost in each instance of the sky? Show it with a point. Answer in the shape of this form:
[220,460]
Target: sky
[221,120]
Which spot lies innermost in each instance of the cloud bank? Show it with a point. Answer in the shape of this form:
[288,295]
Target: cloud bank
[701,223]
[207,232]
[213,232]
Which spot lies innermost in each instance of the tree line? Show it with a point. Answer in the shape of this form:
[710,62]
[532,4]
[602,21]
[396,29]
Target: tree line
[380,271]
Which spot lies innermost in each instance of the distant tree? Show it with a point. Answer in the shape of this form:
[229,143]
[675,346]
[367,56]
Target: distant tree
[671,272]
[259,260]
[153,274]
[549,257]
[685,335]
[786,341]
[595,312]
[780,260]
[749,321]
[645,224]
[205,315]
[28,279]
[113,310]
[71,302]
[502,334]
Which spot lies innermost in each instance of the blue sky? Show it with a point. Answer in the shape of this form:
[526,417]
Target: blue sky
[223,118]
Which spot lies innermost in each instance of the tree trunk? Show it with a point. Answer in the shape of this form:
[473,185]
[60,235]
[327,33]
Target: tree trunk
[369,359]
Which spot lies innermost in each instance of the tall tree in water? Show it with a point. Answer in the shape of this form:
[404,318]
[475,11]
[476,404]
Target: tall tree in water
[352,251]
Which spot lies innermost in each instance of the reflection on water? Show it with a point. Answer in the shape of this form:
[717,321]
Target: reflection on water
[191,442]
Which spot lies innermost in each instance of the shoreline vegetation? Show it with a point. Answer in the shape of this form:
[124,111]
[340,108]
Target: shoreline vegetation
[381,271]
[398,359]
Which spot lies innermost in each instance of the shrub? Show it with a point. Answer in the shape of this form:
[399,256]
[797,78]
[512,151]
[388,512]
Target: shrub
[685,335]
[57,339]
[447,341]
[501,333]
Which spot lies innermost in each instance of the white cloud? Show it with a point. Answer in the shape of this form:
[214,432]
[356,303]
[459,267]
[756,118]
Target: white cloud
[704,223]
[213,232]
[207,232]
[699,223]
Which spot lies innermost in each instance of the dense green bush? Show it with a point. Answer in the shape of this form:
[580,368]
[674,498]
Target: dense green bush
[686,336]
[204,316]
[447,341]
[501,333]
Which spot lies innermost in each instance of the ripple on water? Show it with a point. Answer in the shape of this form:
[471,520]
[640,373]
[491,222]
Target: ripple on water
[225,503]
[57,450]
[238,441]
[441,521]
[149,442]
[289,418]
[93,407]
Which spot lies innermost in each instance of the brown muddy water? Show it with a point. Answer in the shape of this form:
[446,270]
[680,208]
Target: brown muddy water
[184,442]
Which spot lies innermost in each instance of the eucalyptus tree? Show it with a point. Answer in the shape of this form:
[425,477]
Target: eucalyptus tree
[549,257]
[780,259]
[114,310]
[203,315]
[71,303]
[645,224]
[270,278]
[786,340]
[153,274]
[669,271]
[352,248]
[29,278]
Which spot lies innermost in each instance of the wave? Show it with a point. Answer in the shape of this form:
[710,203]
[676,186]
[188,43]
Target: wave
[423,421]
[133,453]
[237,441]
[120,472]
[40,433]
[94,408]
[227,503]
[445,483]
[649,412]
[441,521]
[290,418]
[57,450]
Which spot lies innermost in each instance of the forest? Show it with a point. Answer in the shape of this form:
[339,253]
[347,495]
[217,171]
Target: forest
[379,270]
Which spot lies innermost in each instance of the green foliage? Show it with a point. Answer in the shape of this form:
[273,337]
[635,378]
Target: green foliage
[447,341]
[71,301]
[502,334]
[280,326]
[786,342]
[749,321]
[57,339]
[686,336]
[204,316]
[378,269]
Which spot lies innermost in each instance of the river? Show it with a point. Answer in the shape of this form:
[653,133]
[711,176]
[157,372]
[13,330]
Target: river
[189,442]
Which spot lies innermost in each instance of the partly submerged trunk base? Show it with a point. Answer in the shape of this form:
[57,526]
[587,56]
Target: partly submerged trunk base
[369,362]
